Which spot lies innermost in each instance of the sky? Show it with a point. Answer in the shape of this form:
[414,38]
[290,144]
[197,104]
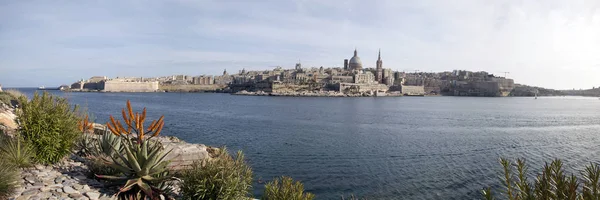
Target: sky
[547,43]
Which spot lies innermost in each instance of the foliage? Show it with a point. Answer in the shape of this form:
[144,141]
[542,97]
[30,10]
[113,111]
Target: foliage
[49,124]
[9,179]
[285,188]
[107,144]
[143,165]
[6,98]
[224,178]
[551,184]
[10,97]
[15,151]
[97,165]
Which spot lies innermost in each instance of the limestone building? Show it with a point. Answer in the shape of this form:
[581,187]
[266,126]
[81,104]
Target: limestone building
[355,64]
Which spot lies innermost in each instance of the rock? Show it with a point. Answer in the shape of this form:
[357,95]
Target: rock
[30,192]
[93,195]
[59,179]
[77,186]
[35,197]
[45,195]
[70,190]
[86,188]
[75,195]
[23,197]
[184,154]
[30,179]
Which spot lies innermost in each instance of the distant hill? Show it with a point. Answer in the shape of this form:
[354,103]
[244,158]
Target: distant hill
[529,91]
[589,92]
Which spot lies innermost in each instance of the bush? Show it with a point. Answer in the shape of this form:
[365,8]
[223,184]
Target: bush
[15,151]
[49,124]
[285,188]
[552,183]
[224,178]
[9,180]
[10,97]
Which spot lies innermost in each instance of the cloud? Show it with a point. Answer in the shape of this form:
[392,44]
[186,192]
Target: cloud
[547,43]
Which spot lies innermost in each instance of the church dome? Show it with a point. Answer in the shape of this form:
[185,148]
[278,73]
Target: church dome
[355,63]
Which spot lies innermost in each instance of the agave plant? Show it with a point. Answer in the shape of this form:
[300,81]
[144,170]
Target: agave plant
[143,164]
[107,145]
[86,143]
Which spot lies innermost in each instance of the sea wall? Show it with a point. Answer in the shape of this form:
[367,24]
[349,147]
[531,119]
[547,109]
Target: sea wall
[121,86]
[412,90]
[191,88]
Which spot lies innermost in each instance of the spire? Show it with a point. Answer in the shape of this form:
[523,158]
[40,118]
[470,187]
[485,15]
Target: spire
[355,54]
[379,56]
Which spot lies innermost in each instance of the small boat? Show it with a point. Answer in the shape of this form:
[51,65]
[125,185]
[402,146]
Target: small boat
[41,88]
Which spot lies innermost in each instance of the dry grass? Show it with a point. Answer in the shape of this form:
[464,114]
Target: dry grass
[14,93]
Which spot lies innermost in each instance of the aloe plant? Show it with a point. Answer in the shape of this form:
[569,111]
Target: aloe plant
[142,161]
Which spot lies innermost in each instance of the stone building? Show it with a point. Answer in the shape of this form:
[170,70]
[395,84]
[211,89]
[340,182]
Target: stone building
[364,77]
[379,68]
[355,64]
[203,80]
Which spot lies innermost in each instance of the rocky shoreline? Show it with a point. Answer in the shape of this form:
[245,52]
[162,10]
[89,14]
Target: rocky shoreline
[64,180]
[70,178]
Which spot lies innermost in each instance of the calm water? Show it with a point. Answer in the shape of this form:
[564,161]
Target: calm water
[380,148]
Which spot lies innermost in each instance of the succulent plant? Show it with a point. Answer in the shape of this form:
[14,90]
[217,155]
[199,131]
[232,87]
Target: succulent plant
[142,161]
[107,145]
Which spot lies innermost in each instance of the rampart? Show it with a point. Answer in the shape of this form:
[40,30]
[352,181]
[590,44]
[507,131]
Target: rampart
[122,86]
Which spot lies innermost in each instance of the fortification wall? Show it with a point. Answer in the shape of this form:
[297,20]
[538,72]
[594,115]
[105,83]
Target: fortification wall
[412,90]
[119,86]
[191,88]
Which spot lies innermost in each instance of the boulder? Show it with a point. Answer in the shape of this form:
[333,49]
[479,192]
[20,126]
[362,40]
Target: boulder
[184,154]
[8,118]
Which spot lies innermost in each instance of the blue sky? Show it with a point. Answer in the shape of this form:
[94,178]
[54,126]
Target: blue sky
[549,43]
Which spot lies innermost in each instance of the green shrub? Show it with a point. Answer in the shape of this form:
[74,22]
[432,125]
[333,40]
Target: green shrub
[49,124]
[285,188]
[224,178]
[6,98]
[11,97]
[15,151]
[9,179]
[551,183]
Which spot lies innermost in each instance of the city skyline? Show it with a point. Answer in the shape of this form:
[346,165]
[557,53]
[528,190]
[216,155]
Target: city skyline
[538,42]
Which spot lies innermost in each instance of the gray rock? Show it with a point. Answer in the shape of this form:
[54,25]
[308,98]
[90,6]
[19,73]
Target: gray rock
[55,186]
[59,179]
[45,195]
[33,187]
[35,197]
[30,192]
[93,195]
[38,184]
[80,177]
[86,188]
[75,195]
[53,198]
[70,190]
[77,186]
[30,179]
[23,197]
